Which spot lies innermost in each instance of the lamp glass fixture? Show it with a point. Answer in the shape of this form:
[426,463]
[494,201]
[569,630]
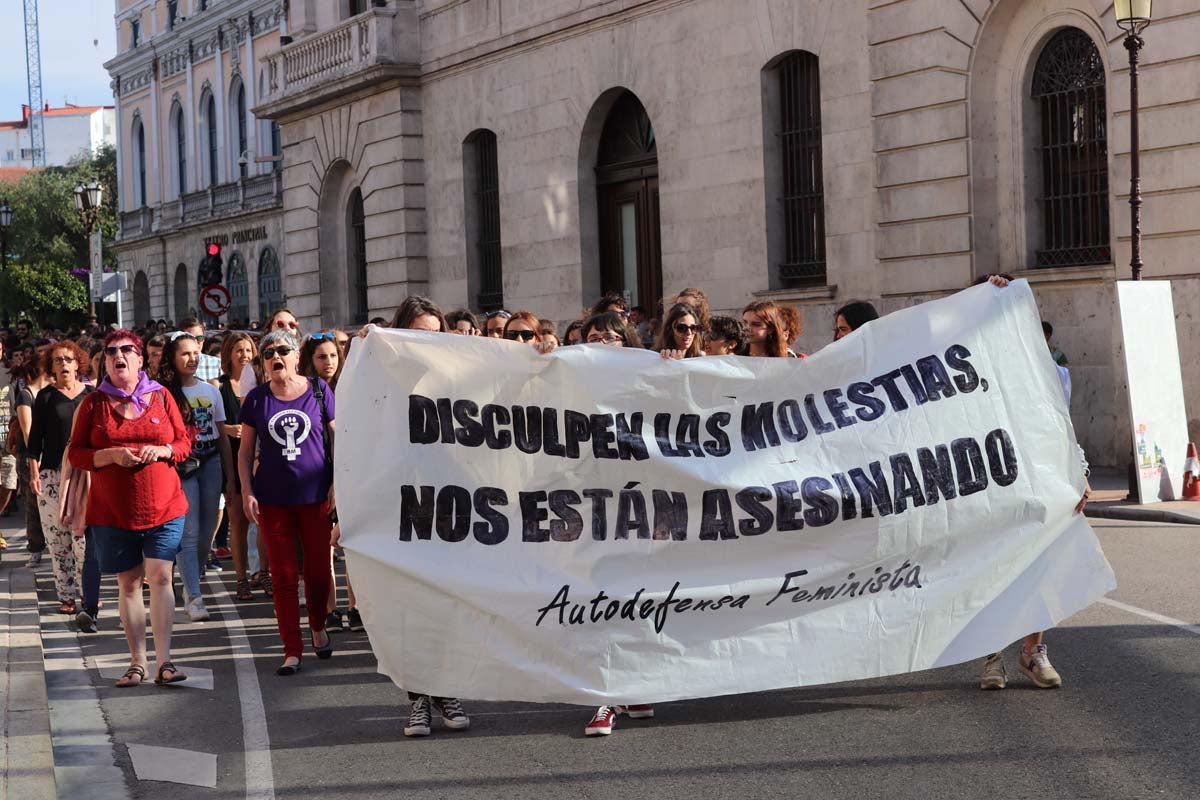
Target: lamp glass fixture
[5,214]
[79,197]
[1133,15]
[95,193]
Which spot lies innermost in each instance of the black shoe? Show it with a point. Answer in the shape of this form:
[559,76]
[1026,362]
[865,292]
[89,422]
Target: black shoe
[323,652]
[354,620]
[288,669]
[86,622]
[453,716]
[334,621]
[419,718]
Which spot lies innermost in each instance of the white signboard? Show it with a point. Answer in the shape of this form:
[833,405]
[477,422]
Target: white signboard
[96,252]
[1159,421]
[602,525]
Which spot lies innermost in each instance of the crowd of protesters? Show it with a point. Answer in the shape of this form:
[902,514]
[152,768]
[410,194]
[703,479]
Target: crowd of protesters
[162,450]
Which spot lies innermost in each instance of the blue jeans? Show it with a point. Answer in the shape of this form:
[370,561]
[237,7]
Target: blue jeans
[91,575]
[203,491]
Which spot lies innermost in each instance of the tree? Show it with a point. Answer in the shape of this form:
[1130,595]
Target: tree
[47,239]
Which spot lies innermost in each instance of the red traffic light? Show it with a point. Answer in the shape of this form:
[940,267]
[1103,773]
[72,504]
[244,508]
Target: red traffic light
[214,249]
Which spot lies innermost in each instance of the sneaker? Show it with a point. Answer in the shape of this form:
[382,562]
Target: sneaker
[35,559]
[418,718]
[994,676]
[637,712]
[333,622]
[354,620]
[222,552]
[453,716]
[196,611]
[602,722]
[86,622]
[1038,668]
[213,565]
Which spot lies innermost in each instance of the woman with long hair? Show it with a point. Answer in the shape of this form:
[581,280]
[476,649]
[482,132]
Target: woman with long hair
[238,351]
[851,317]
[680,336]
[419,313]
[697,299]
[202,473]
[31,380]
[766,335]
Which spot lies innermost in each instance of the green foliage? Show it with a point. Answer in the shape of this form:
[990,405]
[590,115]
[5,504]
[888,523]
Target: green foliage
[46,293]
[48,239]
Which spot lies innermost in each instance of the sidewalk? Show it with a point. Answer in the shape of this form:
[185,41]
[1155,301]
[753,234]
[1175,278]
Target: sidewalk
[26,754]
[1110,490]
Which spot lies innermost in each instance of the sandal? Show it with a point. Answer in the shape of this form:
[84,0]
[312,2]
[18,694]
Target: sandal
[176,675]
[127,680]
[243,591]
[266,585]
[67,607]
[256,580]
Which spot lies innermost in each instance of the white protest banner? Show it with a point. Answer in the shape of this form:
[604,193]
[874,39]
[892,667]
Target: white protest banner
[602,525]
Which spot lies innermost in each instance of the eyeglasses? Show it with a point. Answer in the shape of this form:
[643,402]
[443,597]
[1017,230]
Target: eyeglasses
[322,337]
[500,313]
[64,359]
[610,339]
[125,349]
[524,336]
[684,330]
[281,324]
[283,351]
[177,334]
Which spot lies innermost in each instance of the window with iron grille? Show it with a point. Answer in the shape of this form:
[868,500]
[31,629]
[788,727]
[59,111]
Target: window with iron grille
[800,209]
[139,135]
[358,258]
[210,121]
[135,32]
[181,149]
[483,220]
[240,101]
[1069,88]
[172,13]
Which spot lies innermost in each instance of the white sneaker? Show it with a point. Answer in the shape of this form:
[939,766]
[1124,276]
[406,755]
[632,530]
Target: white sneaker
[1037,666]
[196,611]
[993,673]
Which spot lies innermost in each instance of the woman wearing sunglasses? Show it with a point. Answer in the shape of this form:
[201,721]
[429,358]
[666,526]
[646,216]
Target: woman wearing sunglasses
[129,434]
[282,320]
[289,421]
[53,412]
[202,473]
[680,335]
[525,327]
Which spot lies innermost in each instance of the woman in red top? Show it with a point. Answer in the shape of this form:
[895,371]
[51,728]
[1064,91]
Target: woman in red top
[129,435]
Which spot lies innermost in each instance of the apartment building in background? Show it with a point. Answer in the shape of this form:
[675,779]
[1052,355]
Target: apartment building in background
[70,131]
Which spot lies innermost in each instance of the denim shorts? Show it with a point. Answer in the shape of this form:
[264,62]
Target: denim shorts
[119,550]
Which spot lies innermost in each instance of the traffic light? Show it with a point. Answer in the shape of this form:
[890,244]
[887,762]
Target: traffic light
[210,267]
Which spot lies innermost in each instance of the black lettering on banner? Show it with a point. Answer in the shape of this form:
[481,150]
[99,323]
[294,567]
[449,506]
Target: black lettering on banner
[716,520]
[662,435]
[494,415]
[849,505]
[630,443]
[873,490]
[956,359]
[888,384]
[758,427]
[445,420]
[422,420]
[935,378]
[822,509]
[788,508]
[533,514]
[631,514]
[968,463]
[578,430]
[670,515]
[687,436]
[470,429]
[904,484]
[550,444]
[453,514]
[1002,457]
[493,528]
[791,421]
[814,416]
[870,407]
[838,407]
[914,384]
[599,498]
[603,436]
[527,428]
[936,473]
[416,513]
[568,524]
[719,445]
[753,501]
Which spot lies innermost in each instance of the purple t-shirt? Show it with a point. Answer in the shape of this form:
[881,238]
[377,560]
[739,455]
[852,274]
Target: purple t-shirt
[291,447]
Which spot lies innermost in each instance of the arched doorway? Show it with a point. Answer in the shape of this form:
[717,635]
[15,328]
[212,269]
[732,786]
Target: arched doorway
[180,288]
[141,298]
[627,204]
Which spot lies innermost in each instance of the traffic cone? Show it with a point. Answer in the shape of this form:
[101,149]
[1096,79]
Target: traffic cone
[1191,474]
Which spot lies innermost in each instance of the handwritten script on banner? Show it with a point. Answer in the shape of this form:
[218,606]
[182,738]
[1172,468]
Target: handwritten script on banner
[601,525]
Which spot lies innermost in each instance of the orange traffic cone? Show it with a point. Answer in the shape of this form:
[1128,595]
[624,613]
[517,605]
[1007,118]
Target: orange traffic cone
[1191,474]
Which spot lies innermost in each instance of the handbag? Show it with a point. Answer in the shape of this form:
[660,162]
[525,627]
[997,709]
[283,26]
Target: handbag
[188,467]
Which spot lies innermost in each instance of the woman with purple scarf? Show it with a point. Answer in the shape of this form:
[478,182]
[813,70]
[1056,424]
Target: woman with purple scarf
[130,435]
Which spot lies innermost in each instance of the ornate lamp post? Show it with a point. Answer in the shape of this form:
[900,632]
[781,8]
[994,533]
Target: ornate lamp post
[5,221]
[1133,16]
[87,203]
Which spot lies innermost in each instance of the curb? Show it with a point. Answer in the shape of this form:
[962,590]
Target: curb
[27,754]
[1140,514]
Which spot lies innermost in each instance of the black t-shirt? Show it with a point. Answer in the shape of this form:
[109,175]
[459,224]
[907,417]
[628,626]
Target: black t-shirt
[51,429]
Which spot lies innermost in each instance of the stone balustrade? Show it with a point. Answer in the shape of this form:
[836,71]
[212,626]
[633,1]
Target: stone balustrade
[239,197]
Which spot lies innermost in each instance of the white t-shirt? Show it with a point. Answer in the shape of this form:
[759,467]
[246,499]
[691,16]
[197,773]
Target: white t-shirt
[207,412]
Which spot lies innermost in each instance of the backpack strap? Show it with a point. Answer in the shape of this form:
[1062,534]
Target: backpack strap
[319,394]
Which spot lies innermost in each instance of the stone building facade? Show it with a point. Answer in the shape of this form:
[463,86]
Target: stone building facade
[531,154]
[194,163]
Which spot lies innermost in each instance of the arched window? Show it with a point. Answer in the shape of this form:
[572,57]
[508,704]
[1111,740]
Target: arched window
[239,292]
[239,132]
[485,273]
[139,166]
[276,146]
[180,289]
[795,180]
[358,258]
[141,298]
[208,110]
[179,142]
[270,285]
[1069,89]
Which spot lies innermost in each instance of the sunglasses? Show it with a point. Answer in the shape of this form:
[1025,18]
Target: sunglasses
[181,334]
[125,349]
[524,336]
[684,330]
[322,337]
[280,325]
[283,351]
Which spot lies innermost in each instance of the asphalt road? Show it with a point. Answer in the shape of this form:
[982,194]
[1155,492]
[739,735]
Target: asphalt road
[1125,724]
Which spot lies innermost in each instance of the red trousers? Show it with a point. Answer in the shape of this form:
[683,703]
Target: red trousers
[282,527]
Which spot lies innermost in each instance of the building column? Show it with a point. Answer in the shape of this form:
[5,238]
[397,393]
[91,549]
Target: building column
[250,82]
[155,138]
[219,104]
[121,145]
[191,114]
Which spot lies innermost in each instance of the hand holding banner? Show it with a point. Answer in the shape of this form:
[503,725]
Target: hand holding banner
[603,525]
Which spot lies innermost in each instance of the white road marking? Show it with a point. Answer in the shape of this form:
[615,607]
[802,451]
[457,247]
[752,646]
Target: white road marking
[113,667]
[260,777]
[1141,612]
[173,765]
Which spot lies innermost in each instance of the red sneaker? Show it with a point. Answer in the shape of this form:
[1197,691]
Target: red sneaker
[602,722]
[221,552]
[638,712]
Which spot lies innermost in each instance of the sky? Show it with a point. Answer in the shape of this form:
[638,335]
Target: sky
[77,37]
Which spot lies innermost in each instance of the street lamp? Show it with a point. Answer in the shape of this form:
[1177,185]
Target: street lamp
[87,203]
[5,221]
[1133,16]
